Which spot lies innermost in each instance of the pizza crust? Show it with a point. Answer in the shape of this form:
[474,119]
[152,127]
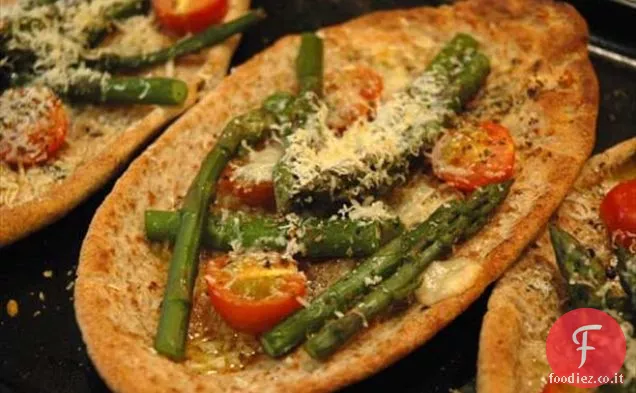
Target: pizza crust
[529,298]
[117,308]
[20,220]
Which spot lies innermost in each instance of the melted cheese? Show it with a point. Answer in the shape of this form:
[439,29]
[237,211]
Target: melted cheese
[260,164]
[417,200]
[445,279]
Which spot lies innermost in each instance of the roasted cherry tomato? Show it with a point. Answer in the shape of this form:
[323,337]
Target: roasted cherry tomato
[249,180]
[618,212]
[351,93]
[255,194]
[471,159]
[253,292]
[189,16]
[35,126]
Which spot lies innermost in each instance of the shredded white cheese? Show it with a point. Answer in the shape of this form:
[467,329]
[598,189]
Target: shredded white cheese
[368,149]
[260,164]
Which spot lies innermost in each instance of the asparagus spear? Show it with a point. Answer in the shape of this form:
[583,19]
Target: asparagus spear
[309,68]
[175,309]
[128,90]
[474,214]
[584,274]
[318,238]
[103,89]
[211,36]
[339,296]
[451,79]
[176,306]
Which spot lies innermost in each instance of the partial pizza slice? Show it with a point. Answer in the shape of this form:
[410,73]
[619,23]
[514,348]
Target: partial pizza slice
[314,293]
[83,85]
[584,262]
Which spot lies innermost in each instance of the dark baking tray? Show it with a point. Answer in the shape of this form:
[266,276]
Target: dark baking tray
[41,349]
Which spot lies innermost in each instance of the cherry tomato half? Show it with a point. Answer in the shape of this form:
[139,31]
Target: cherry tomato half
[618,212]
[39,127]
[249,180]
[255,194]
[350,94]
[189,16]
[253,292]
[481,156]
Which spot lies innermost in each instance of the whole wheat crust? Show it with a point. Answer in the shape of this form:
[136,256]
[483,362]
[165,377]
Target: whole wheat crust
[529,298]
[120,280]
[20,220]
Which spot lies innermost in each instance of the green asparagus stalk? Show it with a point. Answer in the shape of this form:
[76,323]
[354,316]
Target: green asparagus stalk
[128,90]
[175,309]
[309,65]
[340,296]
[407,278]
[459,69]
[309,69]
[583,273]
[213,35]
[177,301]
[318,238]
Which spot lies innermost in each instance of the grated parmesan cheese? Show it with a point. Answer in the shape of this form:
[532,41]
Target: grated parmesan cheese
[368,210]
[369,149]
[260,164]
[25,112]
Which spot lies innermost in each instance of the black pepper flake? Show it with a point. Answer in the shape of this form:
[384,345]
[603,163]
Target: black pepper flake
[610,272]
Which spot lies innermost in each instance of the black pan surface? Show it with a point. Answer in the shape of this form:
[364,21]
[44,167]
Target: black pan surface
[41,349]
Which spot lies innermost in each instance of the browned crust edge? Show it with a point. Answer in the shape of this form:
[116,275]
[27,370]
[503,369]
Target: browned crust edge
[19,221]
[128,366]
[503,325]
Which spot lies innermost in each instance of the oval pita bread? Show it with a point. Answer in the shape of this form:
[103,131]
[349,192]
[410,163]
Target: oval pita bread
[141,123]
[529,298]
[531,43]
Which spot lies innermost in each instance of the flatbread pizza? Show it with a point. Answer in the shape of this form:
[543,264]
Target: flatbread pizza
[533,294]
[338,191]
[70,119]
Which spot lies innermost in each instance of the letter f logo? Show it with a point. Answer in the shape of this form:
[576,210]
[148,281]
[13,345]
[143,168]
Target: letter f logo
[584,348]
